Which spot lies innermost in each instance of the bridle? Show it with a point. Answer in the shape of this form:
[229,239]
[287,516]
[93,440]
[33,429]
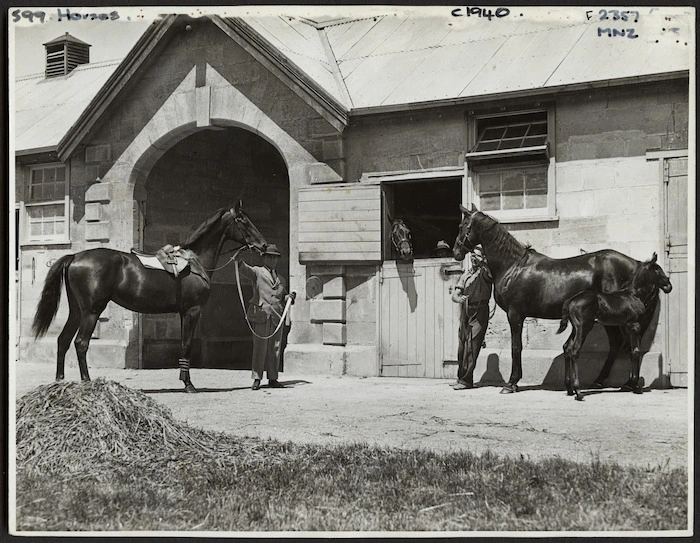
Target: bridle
[400,234]
[462,240]
[247,238]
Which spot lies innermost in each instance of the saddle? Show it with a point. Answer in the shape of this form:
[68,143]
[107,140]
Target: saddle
[166,258]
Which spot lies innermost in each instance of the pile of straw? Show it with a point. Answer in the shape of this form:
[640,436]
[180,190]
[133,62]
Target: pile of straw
[69,426]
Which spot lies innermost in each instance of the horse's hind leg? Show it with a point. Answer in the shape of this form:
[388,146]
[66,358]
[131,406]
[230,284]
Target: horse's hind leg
[615,342]
[582,328]
[64,339]
[82,340]
[634,384]
[568,362]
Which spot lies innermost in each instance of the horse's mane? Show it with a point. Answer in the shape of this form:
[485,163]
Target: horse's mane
[204,228]
[495,234]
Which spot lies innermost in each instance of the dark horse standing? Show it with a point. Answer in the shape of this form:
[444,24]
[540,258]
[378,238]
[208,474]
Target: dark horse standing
[96,276]
[530,284]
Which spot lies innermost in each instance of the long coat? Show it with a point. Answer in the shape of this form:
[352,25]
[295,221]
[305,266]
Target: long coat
[264,312]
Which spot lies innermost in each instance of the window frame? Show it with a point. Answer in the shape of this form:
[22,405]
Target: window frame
[476,163]
[28,204]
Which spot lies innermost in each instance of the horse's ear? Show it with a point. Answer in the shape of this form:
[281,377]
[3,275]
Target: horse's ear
[653,258]
[237,207]
[474,209]
[464,210]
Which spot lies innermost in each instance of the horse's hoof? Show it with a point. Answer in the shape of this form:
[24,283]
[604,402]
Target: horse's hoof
[59,378]
[189,388]
[638,390]
[597,385]
[579,397]
[508,389]
[569,392]
[625,388]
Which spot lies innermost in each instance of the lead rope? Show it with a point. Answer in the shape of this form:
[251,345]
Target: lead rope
[245,313]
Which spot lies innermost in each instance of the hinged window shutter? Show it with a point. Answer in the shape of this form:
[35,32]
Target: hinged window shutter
[340,223]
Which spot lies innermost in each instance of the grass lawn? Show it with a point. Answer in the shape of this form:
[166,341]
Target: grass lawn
[88,464]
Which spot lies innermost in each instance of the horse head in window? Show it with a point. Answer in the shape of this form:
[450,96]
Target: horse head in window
[401,239]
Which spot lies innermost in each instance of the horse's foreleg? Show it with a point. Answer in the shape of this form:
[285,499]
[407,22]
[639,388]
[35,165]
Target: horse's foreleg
[189,324]
[82,340]
[516,336]
[615,341]
[582,327]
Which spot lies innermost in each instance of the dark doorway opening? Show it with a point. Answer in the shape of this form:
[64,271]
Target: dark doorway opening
[202,173]
[430,209]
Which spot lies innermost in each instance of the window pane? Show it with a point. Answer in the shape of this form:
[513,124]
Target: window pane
[513,181]
[60,174]
[513,200]
[536,199]
[536,179]
[35,229]
[535,140]
[490,182]
[537,128]
[60,227]
[487,146]
[54,191]
[48,228]
[37,192]
[493,133]
[49,175]
[516,131]
[490,202]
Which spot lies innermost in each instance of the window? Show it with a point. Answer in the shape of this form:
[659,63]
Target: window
[511,174]
[46,206]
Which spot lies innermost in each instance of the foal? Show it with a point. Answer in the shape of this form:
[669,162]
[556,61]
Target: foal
[624,308]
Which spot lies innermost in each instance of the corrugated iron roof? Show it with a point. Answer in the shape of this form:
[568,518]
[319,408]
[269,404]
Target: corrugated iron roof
[394,59]
[414,55]
[45,109]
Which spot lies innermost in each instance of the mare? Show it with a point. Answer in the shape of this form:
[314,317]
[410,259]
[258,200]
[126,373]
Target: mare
[401,239]
[624,308]
[95,277]
[530,284]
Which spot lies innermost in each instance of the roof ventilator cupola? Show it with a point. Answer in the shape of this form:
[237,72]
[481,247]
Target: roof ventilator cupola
[64,54]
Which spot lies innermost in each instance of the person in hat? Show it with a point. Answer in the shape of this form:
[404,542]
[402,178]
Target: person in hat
[442,249]
[473,291]
[264,313]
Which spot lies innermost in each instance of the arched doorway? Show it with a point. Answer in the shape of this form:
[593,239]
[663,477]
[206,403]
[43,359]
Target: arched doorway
[205,171]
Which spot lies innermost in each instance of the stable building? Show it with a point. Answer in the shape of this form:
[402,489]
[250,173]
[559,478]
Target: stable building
[325,129]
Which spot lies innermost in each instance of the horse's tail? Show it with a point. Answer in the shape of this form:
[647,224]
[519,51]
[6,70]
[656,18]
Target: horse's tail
[564,317]
[50,296]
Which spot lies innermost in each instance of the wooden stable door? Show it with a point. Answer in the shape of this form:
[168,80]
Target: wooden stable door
[676,235]
[419,321]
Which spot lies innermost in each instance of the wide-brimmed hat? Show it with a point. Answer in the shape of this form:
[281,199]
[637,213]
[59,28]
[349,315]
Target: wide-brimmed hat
[271,250]
[442,244]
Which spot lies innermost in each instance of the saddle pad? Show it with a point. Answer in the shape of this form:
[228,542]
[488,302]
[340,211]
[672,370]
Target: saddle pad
[155,263]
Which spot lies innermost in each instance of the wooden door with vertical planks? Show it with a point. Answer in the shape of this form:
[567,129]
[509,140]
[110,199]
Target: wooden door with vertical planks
[419,322]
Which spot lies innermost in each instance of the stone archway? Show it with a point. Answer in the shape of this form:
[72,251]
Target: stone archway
[190,109]
[202,172]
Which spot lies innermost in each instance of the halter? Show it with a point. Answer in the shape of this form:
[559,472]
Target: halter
[400,234]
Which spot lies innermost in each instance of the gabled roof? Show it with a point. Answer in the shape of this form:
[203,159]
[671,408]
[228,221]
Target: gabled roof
[405,58]
[46,108]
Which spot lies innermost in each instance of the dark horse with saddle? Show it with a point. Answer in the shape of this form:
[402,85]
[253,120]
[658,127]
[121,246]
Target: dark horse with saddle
[182,285]
[530,284]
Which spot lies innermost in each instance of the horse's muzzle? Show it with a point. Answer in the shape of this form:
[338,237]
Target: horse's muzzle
[667,288]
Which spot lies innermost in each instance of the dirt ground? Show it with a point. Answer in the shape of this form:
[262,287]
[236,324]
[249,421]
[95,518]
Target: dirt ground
[644,430]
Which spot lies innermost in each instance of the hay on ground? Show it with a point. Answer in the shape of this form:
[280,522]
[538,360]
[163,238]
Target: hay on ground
[68,426]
